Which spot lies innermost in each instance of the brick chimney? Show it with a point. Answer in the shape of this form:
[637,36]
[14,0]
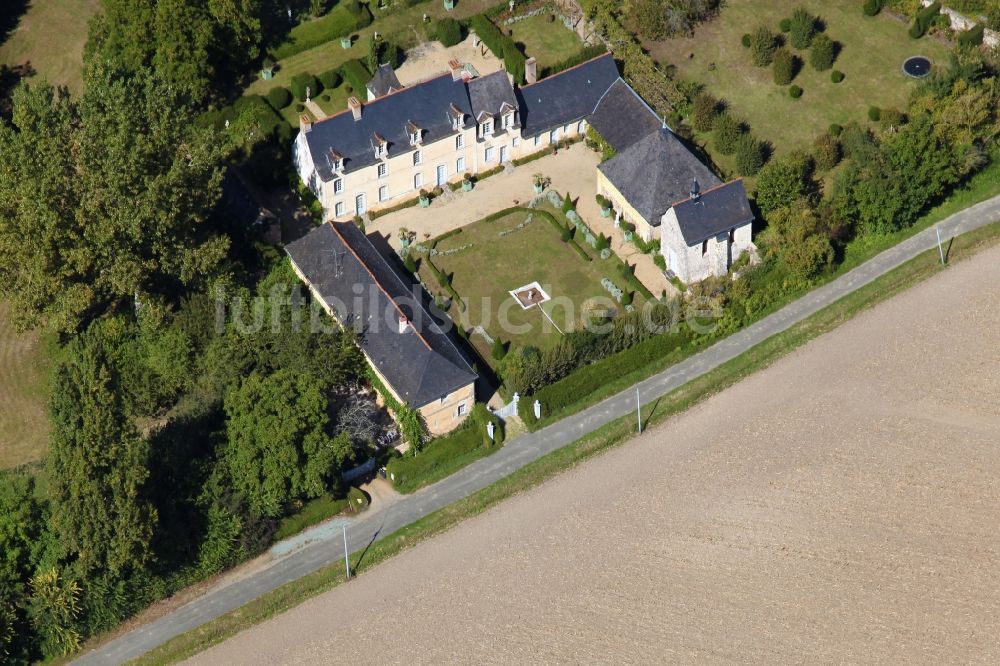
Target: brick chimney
[305,122]
[404,322]
[456,69]
[355,106]
[530,70]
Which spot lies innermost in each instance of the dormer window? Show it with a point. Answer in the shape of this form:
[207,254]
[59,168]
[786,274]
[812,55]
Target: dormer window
[381,146]
[414,132]
[487,127]
[335,160]
[457,117]
[508,120]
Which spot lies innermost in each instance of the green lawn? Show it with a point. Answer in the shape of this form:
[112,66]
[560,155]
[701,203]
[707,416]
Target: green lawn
[487,266]
[50,36]
[24,365]
[873,51]
[548,42]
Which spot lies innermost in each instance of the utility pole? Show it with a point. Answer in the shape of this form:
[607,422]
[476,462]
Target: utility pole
[937,230]
[638,409]
[347,561]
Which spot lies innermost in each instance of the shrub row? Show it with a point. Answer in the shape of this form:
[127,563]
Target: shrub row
[923,20]
[339,22]
[584,381]
[409,203]
[588,53]
[501,45]
[628,273]
[445,281]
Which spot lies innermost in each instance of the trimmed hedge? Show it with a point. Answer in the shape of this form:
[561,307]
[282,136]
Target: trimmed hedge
[795,92]
[584,381]
[588,53]
[338,22]
[448,31]
[627,272]
[923,20]
[357,76]
[301,82]
[501,45]
[973,36]
[279,98]
[872,7]
[330,79]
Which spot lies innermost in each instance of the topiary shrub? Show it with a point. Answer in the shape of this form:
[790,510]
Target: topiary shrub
[872,7]
[784,67]
[973,36]
[567,204]
[330,79]
[301,82]
[836,76]
[803,28]
[923,20]
[498,351]
[823,53]
[785,25]
[750,155]
[762,46]
[448,31]
[726,133]
[795,92]
[891,118]
[300,107]
[703,111]
[279,98]
[835,129]
[745,40]
[566,234]
[874,114]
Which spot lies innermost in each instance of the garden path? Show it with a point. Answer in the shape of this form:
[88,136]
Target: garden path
[430,59]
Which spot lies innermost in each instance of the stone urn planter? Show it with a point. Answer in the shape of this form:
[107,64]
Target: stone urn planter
[449,5]
[345,42]
[425,199]
[538,188]
[605,212]
[466,185]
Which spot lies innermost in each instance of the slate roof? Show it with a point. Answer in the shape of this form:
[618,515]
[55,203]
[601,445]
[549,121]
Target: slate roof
[384,81]
[714,212]
[426,105]
[566,97]
[622,117]
[421,364]
[489,93]
[656,172]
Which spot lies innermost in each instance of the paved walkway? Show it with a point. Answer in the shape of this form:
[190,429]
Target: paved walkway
[572,170]
[526,448]
[313,107]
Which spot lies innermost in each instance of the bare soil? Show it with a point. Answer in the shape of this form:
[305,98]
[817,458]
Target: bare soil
[839,507]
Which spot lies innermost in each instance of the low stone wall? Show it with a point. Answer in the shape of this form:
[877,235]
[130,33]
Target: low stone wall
[961,23]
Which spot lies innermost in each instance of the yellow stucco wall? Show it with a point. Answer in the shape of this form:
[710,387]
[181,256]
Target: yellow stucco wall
[443,415]
[604,187]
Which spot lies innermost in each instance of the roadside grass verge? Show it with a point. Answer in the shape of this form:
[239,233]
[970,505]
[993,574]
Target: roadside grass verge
[909,274]
[312,512]
[441,458]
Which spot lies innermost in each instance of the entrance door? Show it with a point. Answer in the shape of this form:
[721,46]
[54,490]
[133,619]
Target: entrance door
[360,206]
[503,154]
[442,175]
[672,259]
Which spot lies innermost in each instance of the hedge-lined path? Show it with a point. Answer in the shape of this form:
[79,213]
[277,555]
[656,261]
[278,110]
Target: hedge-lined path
[572,170]
[520,451]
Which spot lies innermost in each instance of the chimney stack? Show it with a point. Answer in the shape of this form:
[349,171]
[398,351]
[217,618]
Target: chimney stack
[695,190]
[530,70]
[403,323]
[355,106]
[305,122]
[456,69]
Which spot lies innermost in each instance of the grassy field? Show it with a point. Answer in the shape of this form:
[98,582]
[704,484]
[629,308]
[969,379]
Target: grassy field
[24,425]
[487,266]
[613,434]
[548,42]
[871,57]
[50,36]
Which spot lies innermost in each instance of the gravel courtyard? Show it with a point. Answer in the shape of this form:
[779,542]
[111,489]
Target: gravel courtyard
[839,507]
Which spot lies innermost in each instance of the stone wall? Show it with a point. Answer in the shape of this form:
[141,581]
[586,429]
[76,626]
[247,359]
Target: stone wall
[961,23]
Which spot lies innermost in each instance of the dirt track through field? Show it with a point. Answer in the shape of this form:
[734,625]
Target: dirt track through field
[840,506]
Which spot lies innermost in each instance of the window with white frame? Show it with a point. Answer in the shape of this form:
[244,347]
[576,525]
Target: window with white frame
[339,209]
[538,139]
[516,142]
[338,185]
[383,169]
[417,158]
[460,165]
[461,409]
[418,181]
[383,193]
[508,120]
[487,127]
[490,154]
[414,138]
[459,141]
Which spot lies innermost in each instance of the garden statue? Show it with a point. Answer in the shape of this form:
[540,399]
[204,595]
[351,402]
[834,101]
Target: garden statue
[489,430]
[538,409]
[308,94]
[510,5]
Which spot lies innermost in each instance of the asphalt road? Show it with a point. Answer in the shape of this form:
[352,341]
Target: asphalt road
[524,449]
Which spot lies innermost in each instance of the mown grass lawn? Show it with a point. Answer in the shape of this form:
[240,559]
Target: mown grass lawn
[487,266]
[24,367]
[548,42]
[873,51]
[50,36]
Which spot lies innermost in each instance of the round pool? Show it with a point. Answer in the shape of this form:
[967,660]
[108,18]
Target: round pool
[917,66]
